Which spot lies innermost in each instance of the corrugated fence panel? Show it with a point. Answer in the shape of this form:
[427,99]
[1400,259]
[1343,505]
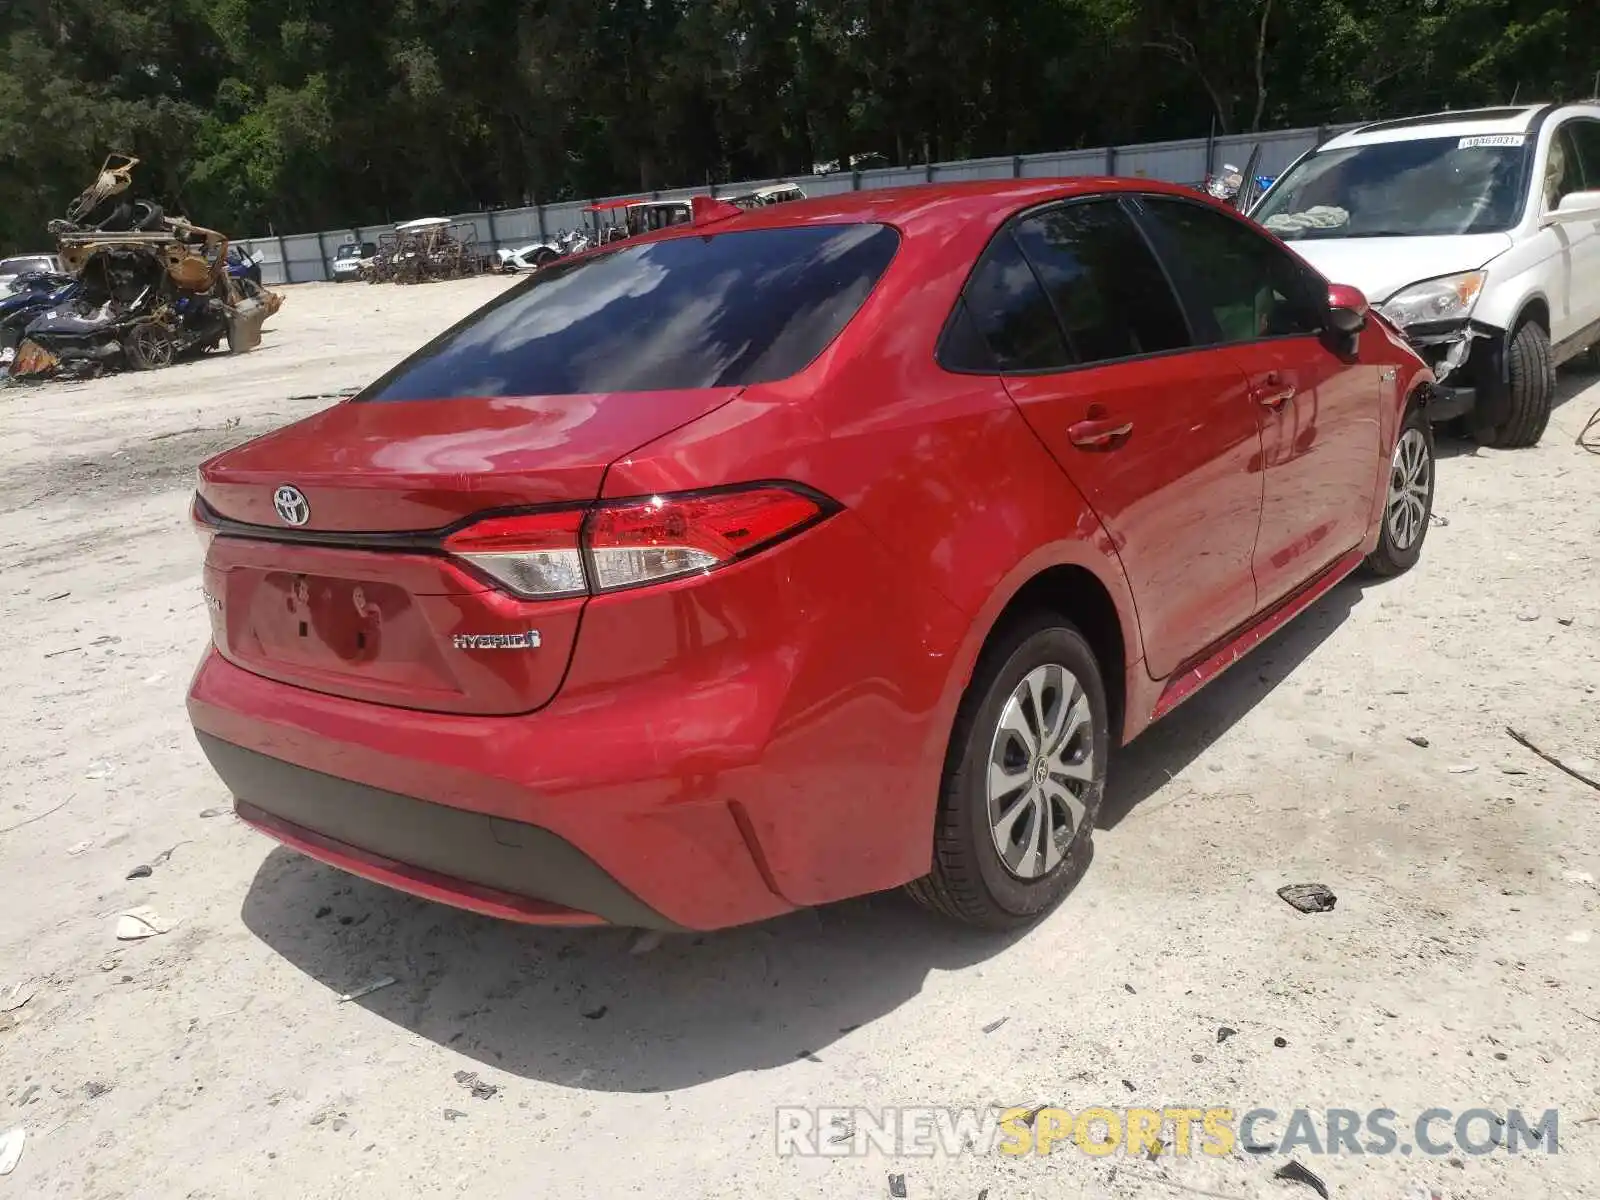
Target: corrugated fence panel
[827,185]
[303,258]
[569,215]
[976,168]
[1065,163]
[516,226]
[1175,162]
[1278,149]
[1178,162]
[887,177]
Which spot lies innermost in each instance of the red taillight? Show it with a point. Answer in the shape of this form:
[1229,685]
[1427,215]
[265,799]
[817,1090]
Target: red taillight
[626,543]
[535,555]
[642,541]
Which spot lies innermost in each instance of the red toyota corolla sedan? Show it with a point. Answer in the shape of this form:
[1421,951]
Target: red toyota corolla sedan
[796,554]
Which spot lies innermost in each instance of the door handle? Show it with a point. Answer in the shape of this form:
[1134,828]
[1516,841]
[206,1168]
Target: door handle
[1098,433]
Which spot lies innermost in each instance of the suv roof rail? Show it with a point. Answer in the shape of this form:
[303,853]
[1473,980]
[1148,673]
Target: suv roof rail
[1503,113]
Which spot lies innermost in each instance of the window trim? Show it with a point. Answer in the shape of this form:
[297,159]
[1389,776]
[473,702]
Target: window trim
[1252,230]
[1117,199]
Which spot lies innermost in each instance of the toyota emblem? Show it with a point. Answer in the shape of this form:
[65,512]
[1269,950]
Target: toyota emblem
[291,505]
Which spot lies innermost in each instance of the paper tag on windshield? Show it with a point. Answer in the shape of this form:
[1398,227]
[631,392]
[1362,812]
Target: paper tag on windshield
[1490,139]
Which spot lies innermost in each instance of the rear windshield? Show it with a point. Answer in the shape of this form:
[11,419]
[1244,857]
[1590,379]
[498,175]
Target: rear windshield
[722,310]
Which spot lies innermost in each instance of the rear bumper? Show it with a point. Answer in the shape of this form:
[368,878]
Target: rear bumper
[722,749]
[484,813]
[501,868]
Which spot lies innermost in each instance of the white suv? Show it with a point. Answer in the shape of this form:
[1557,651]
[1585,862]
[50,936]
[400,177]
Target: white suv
[1477,233]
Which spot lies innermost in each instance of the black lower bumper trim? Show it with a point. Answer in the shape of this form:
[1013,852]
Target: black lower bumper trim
[507,856]
[1446,403]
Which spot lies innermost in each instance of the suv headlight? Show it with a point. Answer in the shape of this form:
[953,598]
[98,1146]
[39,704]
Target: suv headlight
[1447,299]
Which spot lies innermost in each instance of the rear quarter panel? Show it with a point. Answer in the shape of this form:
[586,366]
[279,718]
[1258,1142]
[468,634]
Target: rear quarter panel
[961,506]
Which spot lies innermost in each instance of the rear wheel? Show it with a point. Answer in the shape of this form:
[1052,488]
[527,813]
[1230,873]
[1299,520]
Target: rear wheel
[148,346]
[1530,393]
[1024,778]
[1409,503]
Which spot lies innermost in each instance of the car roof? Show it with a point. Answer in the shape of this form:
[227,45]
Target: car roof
[1470,122]
[932,207]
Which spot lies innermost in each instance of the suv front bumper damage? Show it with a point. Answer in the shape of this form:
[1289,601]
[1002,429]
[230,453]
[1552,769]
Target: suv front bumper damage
[1468,362]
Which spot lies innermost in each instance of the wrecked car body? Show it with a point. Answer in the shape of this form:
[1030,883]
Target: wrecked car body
[149,290]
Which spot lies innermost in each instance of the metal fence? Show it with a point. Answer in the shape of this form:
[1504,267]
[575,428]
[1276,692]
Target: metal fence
[308,257]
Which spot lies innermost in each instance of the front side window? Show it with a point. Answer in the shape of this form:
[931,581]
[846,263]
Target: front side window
[1239,283]
[1425,187]
[1107,288]
[720,310]
[1563,167]
[1586,140]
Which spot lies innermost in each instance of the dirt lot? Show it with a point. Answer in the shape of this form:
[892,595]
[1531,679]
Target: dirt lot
[1459,969]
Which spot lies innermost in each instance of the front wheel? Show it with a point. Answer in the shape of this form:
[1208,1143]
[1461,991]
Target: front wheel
[1409,503]
[1530,393]
[1024,778]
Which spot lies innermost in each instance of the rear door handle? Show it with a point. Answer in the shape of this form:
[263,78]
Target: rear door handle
[1098,434]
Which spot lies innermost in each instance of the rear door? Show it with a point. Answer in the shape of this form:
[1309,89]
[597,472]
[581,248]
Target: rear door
[1162,439]
[1316,400]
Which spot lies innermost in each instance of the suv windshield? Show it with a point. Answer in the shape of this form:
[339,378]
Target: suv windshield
[348,250]
[19,266]
[723,310]
[1425,188]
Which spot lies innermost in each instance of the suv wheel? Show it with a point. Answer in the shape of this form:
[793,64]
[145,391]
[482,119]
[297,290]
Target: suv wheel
[1409,503]
[1024,778]
[1529,394]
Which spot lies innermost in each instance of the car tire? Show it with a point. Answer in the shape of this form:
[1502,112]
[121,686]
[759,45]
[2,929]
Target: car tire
[1408,503]
[1047,827]
[1530,393]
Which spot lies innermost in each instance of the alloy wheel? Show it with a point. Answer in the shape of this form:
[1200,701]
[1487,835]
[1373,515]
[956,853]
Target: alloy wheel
[1410,484]
[1041,764]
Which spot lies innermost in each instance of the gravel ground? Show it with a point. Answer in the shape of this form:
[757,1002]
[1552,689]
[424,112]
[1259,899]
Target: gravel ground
[1458,969]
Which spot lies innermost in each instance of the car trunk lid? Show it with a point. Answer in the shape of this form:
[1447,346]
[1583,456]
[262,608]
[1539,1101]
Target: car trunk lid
[353,596]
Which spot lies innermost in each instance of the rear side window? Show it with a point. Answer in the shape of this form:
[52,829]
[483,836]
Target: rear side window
[1241,284]
[722,310]
[1105,283]
[1005,322]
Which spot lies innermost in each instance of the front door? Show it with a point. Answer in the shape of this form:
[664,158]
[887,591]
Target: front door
[1316,401]
[1162,439]
[1580,240]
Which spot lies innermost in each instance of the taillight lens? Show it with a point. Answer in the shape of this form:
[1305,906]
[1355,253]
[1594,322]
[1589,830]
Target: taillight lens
[628,543]
[643,541]
[535,555]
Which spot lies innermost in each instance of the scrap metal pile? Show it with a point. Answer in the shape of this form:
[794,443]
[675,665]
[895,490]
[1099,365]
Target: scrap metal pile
[141,290]
[424,251]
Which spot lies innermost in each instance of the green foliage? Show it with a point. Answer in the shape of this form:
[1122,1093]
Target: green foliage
[299,114]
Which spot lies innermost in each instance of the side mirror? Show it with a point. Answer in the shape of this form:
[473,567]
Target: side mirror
[1574,206]
[1347,309]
